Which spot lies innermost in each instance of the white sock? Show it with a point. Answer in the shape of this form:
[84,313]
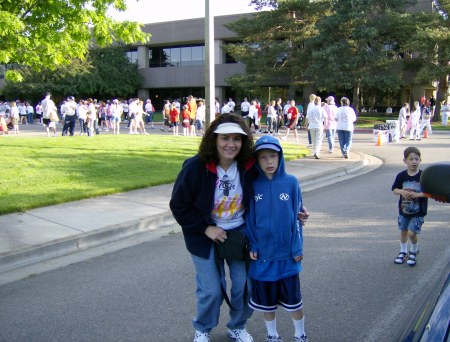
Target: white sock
[403,247]
[414,247]
[299,327]
[272,327]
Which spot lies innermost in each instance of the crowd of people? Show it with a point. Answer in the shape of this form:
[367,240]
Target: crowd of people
[415,121]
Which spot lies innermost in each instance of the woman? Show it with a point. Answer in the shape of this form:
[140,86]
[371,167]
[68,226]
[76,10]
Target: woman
[402,119]
[445,110]
[272,118]
[14,115]
[82,114]
[414,122]
[330,122]
[209,198]
[316,116]
[345,117]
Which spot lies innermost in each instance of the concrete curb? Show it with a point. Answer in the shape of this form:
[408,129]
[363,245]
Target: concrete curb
[65,246]
[330,177]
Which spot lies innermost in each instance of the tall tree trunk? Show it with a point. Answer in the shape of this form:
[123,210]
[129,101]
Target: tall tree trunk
[441,93]
[356,92]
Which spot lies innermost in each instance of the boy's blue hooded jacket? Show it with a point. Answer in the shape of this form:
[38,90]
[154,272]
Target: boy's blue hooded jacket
[273,229]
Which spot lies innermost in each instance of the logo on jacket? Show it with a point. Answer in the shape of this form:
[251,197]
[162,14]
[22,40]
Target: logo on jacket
[258,197]
[284,196]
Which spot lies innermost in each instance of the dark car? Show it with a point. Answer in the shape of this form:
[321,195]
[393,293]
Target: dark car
[432,322]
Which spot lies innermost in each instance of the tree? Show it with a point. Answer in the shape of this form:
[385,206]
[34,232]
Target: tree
[105,73]
[48,33]
[431,42]
[273,43]
[358,47]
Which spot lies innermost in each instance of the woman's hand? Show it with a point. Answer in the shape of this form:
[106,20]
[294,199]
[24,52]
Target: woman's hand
[216,234]
[253,255]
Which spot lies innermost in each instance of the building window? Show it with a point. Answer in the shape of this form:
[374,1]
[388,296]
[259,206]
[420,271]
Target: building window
[177,56]
[132,56]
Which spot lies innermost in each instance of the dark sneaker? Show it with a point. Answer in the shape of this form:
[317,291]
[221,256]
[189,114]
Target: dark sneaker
[273,339]
[402,257]
[302,338]
[412,259]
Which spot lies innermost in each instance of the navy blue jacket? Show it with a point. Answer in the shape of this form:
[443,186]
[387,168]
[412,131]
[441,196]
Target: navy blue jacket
[193,199]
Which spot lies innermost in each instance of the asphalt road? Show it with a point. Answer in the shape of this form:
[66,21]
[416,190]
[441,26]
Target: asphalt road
[351,288]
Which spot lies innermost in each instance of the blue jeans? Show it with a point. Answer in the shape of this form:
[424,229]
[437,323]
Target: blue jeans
[330,137]
[209,295]
[345,140]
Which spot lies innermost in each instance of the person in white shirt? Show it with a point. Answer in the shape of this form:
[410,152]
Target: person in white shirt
[403,119]
[49,111]
[30,113]
[22,113]
[345,117]
[253,116]
[231,104]
[445,111]
[226,109]
[116,115]
[39,112]
[330,122]
[70,114]
[315,117]
[426,120]
[149,113]
[217,107]
[245,107]
[82,114]
[14,115]
[414,122]
[200,117]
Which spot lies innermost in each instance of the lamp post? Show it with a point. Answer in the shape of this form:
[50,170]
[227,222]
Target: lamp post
[210,79]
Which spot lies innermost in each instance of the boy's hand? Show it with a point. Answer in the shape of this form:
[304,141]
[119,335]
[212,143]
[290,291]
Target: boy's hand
[253,255]
[303,215]
[407,194]
[298,258]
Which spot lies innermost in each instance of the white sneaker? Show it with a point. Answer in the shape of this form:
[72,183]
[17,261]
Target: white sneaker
[283,138]
[201,336]
[240,335]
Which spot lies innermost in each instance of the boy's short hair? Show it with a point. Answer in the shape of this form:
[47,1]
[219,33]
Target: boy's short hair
[409,150]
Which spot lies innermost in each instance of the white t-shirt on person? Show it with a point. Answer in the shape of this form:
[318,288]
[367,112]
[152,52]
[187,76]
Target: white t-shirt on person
[228,209]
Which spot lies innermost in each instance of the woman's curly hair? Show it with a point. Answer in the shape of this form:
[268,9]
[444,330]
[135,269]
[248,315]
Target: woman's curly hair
[208,146]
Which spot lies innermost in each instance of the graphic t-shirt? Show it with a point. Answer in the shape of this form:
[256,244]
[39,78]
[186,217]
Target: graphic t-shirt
[228,210]
[416,206]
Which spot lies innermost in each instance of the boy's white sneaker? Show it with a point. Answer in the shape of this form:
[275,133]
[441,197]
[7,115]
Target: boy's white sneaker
[240,335]
[201,336]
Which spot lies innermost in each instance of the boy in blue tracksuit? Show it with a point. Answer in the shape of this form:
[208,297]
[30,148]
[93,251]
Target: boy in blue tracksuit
[274,230]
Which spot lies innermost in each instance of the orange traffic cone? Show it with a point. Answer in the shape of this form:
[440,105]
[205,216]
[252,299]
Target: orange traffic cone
[425,133]
[379,139]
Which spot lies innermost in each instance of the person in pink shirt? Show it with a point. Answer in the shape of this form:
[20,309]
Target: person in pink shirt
[330,122]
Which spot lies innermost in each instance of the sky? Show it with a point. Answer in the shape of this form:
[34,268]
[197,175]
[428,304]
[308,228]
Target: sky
[154,11]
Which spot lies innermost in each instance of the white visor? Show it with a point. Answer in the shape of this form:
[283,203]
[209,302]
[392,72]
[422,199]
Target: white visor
[228,128]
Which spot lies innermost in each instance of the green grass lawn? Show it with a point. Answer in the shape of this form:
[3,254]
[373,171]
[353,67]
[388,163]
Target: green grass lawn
[39,171]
